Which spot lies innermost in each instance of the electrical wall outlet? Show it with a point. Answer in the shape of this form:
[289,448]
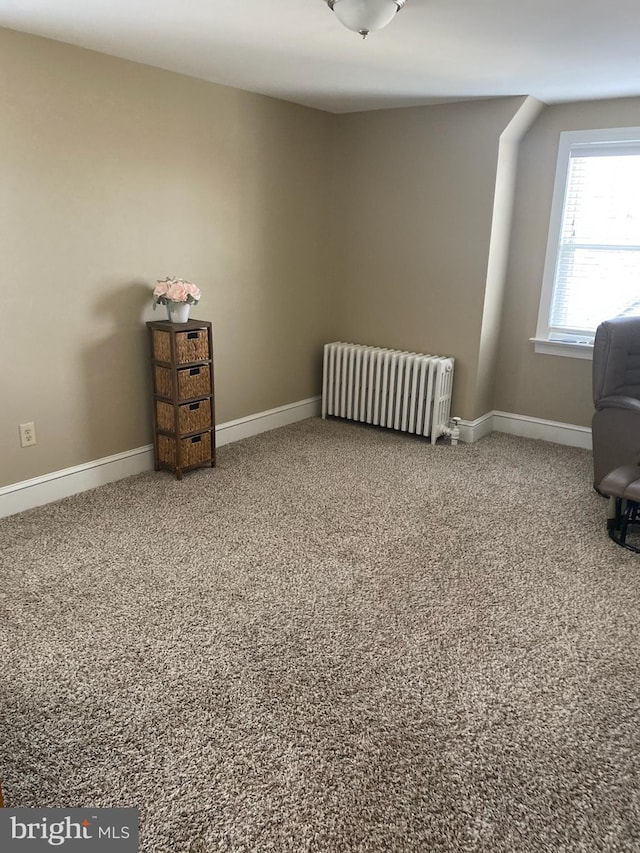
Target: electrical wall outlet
[27,434]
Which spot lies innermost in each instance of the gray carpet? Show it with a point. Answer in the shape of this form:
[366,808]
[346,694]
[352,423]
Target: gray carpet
[341,639]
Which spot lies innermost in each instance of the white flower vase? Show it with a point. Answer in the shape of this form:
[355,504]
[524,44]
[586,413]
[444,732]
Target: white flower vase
[178,312]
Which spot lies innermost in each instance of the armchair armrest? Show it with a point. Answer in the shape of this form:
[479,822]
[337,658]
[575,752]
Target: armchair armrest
[628,403]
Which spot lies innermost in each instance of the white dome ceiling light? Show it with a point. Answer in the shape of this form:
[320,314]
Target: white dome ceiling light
[364,16]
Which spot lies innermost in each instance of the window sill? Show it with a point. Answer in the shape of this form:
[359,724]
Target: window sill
[564,348]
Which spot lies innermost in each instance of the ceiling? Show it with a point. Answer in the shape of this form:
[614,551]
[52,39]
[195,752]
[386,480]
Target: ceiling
[433,50]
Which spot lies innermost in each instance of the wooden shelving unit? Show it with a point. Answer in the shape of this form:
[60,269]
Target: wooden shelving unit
[184,433]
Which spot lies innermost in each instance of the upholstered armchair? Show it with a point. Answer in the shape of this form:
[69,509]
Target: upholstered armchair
[616,395]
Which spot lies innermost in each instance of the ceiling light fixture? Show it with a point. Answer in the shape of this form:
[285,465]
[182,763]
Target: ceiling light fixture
[363,16]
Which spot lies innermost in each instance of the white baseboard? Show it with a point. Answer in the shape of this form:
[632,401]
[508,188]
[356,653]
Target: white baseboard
[559,433]
[528,427]
[471,431]
[70,481]
[264,421]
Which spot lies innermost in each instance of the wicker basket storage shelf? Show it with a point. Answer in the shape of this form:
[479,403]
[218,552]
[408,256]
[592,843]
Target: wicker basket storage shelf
[190,345]
[186,417]
[194,450]
[192,381]
[183,395]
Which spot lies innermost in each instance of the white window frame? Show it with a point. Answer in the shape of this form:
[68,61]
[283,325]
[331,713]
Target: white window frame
[568,140]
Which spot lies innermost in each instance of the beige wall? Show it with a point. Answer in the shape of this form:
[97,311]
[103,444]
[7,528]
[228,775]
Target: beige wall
[544,386]
[112,175]
[299,226]
[412,217]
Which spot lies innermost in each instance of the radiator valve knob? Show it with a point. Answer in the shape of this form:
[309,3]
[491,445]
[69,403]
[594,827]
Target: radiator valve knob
[455,431]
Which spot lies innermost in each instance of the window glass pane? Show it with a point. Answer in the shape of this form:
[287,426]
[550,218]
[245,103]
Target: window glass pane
[598,264]
[603,200]
[597,283]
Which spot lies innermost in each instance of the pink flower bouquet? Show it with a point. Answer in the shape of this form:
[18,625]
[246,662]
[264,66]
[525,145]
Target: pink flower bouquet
[175,290]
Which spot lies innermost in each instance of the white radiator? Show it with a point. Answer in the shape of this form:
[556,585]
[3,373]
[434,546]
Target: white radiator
[405,391]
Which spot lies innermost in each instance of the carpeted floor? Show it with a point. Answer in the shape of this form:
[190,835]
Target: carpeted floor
[341,639]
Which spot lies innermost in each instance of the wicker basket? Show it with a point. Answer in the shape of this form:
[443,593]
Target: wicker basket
[194,450]
[190,346]
[192,417]
[192,382]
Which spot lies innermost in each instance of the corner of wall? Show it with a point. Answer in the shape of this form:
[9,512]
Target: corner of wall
[503,202]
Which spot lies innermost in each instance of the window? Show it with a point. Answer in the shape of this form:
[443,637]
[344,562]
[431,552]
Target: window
[592,269]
